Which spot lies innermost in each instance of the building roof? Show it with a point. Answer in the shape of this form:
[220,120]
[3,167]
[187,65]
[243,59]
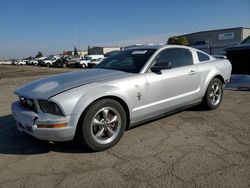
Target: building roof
[215,30]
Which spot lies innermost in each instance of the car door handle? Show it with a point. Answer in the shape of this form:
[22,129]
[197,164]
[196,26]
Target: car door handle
[192,72]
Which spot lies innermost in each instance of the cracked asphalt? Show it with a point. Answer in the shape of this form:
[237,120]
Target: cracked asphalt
[192,148]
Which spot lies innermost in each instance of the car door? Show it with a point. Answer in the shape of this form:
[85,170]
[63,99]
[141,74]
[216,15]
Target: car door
[174,87]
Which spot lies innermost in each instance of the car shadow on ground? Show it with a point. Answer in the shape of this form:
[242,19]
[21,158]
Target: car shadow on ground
[12,141]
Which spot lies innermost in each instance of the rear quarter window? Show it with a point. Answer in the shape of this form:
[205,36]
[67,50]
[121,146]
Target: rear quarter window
[202,57]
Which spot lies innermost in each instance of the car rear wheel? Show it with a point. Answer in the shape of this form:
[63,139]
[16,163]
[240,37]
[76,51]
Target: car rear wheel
[83,66]
[103,125]
[214,94]
[48,65]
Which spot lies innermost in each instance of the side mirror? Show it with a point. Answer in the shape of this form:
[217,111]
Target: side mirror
[161,66]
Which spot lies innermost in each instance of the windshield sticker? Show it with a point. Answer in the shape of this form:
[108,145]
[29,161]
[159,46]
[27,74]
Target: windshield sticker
[139,52]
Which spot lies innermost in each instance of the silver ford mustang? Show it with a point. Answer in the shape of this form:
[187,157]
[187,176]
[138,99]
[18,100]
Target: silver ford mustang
[133,86]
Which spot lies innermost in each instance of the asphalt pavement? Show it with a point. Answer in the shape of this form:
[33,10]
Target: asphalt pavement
[192,148]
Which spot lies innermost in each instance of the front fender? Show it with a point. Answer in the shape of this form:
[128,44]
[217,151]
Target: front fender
[96,93]
[75,101]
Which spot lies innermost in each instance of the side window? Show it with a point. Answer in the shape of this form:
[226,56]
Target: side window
[178,57]
[202,57]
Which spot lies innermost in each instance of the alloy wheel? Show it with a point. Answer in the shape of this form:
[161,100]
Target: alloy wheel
[215,94]
[106,125]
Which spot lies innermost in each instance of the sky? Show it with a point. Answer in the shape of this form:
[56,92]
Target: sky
[52,26]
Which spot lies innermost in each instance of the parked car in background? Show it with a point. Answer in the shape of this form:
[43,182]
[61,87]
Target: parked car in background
[5,62]
[134,86]
[29,61]
[62,62]
[26,61]
[22,62]
[72,60]
[14,61]
[48,61]
[34,61]
[95,62]
[84,62]
[8,62]
[40,59]
[18,62]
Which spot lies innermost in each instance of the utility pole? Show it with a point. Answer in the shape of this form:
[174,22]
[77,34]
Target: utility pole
[79,39]
[209,44]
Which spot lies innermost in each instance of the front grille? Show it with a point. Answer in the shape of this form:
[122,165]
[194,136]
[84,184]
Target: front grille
[28,103]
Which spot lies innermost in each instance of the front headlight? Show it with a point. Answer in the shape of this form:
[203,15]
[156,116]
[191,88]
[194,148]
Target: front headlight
[50,107]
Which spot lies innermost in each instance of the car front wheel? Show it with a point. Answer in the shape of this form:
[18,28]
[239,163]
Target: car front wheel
[214,94]
[103,125]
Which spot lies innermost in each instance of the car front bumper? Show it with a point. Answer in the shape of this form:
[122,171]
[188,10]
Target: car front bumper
[28,120]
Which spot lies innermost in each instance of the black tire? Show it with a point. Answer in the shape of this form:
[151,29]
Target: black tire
[48,65]
[85,131]
[208,98]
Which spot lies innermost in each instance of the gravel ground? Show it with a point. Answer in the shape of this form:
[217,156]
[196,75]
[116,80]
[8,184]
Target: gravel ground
[193,148]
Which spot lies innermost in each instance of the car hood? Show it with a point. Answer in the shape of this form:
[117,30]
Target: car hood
[53,85]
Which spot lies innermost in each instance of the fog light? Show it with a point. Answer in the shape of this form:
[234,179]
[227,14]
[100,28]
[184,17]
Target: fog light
[51,125]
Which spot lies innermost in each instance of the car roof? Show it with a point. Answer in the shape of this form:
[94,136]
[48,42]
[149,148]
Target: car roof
[154,47]
[158,47]
[140,47]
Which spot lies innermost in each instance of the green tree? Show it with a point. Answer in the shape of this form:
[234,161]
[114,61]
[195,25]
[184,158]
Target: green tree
[39,54]
[178,40]
[183,41]
[75,51]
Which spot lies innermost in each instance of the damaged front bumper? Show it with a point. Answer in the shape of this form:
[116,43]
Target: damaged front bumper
[31,122]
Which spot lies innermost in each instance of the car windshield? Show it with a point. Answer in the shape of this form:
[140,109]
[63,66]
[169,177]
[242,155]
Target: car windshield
[130,61]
